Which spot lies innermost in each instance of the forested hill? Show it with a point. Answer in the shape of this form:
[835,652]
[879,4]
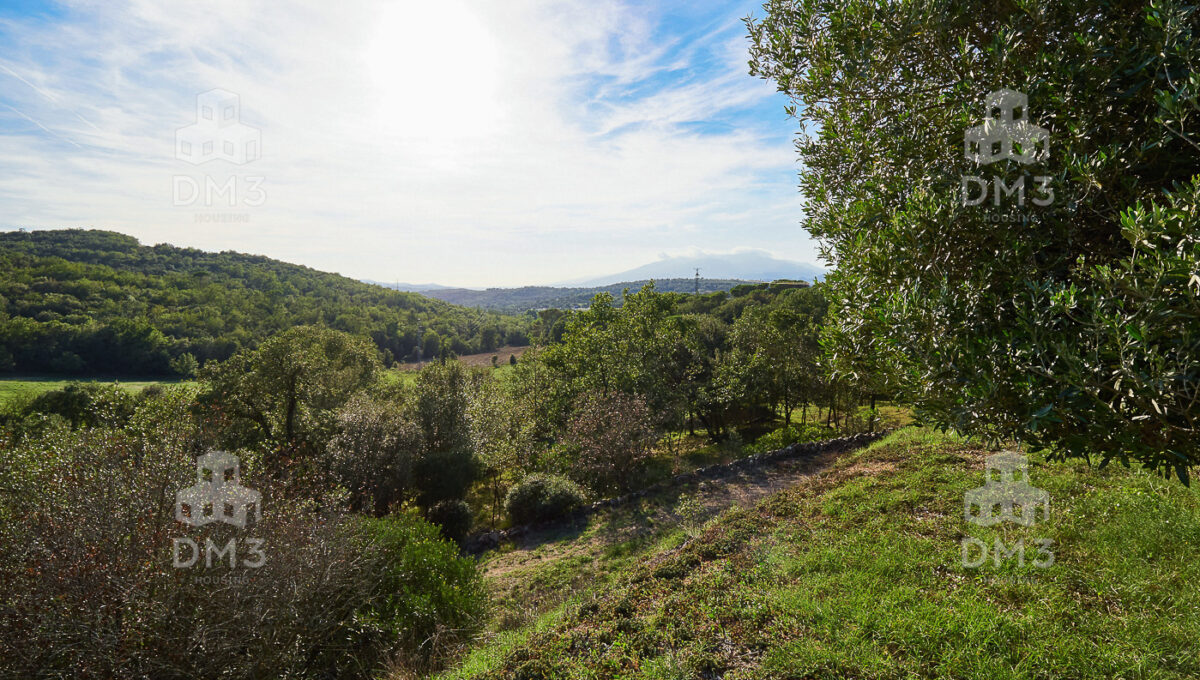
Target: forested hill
[79,301]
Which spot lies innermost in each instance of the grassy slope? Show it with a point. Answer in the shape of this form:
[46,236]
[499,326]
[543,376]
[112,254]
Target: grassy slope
[858,573]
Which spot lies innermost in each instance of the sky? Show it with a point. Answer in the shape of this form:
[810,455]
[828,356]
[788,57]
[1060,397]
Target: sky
[463,142]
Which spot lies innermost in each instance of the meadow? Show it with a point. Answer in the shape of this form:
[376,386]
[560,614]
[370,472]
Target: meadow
[31,386]
[858,571]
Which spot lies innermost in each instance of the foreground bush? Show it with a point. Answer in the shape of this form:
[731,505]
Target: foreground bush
[89,588]
[540,497]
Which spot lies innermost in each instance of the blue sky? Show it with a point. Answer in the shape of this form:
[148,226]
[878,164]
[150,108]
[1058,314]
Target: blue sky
[464,142]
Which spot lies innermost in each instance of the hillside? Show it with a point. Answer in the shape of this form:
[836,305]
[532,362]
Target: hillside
[78,302]
[858,572]
[516,300]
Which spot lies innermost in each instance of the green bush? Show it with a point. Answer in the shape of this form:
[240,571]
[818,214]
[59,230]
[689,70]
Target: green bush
[454,518]
[784,436]
[86,404]
[424,595]
[540,497]
[90,588]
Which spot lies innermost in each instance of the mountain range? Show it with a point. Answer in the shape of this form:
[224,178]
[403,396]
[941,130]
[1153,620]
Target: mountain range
[718,271]
[745,265]
[518,300]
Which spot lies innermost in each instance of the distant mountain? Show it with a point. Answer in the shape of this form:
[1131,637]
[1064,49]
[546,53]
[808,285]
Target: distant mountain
[750,265]
[407,287]
[516,300]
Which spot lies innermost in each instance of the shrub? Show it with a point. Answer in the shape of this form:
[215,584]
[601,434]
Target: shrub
[371,455]
[454,518]
[614,435]
[86,404]
[540,497]
[777,439]
[424,598]
[88,587]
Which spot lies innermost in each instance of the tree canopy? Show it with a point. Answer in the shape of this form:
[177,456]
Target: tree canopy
[81,302]
[1071,323]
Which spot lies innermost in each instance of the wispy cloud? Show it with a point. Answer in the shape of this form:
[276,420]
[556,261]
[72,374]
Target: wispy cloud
[471,143]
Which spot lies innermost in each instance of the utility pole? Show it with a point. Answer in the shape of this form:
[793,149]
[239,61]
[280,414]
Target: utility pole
[420,348]
[697,280]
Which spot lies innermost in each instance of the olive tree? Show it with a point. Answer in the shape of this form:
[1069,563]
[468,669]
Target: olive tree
[1059,307]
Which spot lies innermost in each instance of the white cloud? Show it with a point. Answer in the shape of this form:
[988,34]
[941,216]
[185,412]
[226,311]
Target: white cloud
[464,142]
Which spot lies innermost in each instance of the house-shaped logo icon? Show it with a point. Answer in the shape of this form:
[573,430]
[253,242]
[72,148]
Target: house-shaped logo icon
[217,495]
[218,132]
[1007,495]
[1006,132]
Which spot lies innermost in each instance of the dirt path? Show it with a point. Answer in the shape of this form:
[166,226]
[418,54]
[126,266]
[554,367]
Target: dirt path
[654,515]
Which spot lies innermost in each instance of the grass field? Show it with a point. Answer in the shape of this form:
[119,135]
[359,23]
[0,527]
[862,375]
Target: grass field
[11,388]
[859,572]
[407,373]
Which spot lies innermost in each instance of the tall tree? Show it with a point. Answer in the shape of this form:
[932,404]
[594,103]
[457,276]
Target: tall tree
[287,391]
[1060,307]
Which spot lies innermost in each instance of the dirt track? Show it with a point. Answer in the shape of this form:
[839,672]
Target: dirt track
[652,515]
